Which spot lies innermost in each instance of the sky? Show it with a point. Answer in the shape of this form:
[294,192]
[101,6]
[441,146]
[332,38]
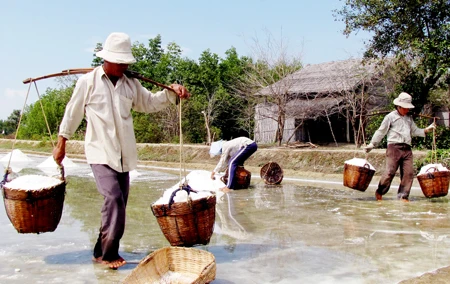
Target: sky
[47,36]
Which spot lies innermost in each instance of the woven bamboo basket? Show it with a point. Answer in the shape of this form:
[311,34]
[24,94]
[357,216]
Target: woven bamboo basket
[243,178]
[34,211]
[357,177]
[434,184]
[187,223]
[174,265]
[271,173]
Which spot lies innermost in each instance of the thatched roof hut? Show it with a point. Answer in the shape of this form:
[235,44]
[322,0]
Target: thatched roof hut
[326,78]
[321,90]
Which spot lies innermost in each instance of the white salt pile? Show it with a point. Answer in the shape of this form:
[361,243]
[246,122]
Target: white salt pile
[33,182]
[17,156]
[359,162]
[50,163]
[50,167]
[198,180]
[171,277]
[431,168]
[17,160]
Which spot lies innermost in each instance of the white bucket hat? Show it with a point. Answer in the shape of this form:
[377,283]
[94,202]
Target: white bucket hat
[117,49]
[216,148]
[404,100]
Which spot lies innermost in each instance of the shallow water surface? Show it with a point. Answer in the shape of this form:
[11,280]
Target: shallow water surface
[291,233]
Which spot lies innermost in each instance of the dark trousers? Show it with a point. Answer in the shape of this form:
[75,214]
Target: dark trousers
[114,187]
[238,160]
[398,155]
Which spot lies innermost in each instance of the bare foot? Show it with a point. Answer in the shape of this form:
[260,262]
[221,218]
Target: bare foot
[115,263]
[404,200]
[225,189]
[378,196]
[111,264]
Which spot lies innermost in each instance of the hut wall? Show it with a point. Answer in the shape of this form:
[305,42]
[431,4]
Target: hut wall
[266,124]
[443,114]
[289,128]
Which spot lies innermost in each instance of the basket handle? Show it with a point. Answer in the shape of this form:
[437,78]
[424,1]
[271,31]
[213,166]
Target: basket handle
[61,172]
[185,187]
[431,174]
[5,178]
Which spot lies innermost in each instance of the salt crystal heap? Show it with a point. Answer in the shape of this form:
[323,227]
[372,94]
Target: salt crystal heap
[50,167]
[199,181]
[33,182]
[17,160]
[430,168]
[359,162]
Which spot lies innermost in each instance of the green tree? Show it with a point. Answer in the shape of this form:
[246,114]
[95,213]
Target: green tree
[211,83]
[10,124]
[236,107]
[187,72]
[417,31]
[152,61]
[49,109]
[97,61]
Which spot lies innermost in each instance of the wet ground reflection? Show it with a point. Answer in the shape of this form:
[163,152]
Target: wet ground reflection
[267,234]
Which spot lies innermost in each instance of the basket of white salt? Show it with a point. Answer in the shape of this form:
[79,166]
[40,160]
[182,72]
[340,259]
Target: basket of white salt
[358,174]
[174,265]
[34,203]
[186,216]
[434,180]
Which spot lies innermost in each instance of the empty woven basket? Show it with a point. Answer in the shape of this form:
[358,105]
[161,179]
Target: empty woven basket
[174,265]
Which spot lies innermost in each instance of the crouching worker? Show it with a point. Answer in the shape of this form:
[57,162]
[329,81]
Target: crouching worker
[399,128]
[232,153]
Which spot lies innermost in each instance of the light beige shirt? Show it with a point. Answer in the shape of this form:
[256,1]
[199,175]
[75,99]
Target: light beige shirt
[110,136]
[229,149]
[399,129]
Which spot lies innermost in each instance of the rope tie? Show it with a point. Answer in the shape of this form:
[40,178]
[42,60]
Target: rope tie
[182,164]
[183,186]
[360,130]
[7,170]
[45,117]
[433,146]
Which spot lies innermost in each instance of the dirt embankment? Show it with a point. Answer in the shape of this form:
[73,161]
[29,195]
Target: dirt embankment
[295,162]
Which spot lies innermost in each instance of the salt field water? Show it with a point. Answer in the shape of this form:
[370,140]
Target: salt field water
[297,232]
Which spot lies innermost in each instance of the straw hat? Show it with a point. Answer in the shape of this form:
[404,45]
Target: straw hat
[404,100]
[117,49]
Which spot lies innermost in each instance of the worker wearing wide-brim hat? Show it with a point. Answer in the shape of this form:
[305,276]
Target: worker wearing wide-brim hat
[232,153]
[399,128]
[106,98]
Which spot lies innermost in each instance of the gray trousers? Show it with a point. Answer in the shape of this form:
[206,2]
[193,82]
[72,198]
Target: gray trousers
[114,187]
[398,156]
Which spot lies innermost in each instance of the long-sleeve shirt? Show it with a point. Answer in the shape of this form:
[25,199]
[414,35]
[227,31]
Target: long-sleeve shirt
[399,129]
[110,135]
[229,149]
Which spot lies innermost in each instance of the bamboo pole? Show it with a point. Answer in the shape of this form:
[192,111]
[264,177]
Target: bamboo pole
[75,71]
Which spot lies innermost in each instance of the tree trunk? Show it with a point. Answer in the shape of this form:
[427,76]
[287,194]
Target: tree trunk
[208,131]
